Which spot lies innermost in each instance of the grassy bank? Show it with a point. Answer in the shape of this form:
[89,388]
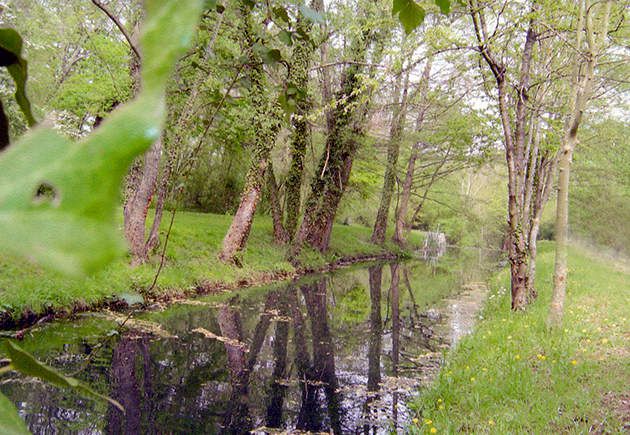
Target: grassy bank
[191,261]
[512,375]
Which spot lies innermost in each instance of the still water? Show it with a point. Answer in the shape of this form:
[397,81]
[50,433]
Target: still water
[344,352]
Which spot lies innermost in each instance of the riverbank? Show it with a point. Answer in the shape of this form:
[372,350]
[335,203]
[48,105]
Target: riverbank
[29,293]
[513,375]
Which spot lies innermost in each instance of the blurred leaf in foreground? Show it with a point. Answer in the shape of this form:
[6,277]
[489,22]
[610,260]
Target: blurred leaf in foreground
[10,421]
[58,199]
[25,363]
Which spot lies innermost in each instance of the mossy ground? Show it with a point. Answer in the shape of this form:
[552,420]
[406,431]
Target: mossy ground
[514,375]
[191,259]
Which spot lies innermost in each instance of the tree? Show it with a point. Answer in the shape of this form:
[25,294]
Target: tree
[399,116]
[402,225]
[346,128]
[266,125]
[590,34]
[514,137]
[301,132]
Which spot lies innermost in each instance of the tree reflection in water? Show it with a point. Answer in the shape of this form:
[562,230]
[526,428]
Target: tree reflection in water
[315,356]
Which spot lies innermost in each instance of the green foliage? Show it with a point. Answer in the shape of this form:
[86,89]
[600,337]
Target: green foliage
[599,209]
[11,58]
[73,227]
[87,90]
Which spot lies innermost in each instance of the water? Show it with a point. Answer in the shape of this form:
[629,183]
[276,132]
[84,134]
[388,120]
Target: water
[344,352]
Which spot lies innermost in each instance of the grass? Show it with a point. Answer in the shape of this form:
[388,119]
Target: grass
[513,375]
[191,259]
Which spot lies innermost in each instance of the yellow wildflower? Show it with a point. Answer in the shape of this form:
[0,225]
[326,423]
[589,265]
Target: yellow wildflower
[428,421]
[472,379]
[517,357]
[441,407]
[574,362]
[433,430]
[414,420]
[439,400]
[491,422]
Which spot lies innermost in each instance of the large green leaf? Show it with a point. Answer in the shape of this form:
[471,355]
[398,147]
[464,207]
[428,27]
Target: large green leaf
[58,198]
[26,364]
[11,58]
[10,421]
[410,14]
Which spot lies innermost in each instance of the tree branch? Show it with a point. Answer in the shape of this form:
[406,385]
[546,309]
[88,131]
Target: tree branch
[118,24]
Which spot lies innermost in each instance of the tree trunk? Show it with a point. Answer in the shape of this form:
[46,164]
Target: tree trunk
[561,233]
[301,134]
[265,125]
[403,204]
[137,206]
[514,143]
[391,169]
[142,178]
[584,68]
[280,234]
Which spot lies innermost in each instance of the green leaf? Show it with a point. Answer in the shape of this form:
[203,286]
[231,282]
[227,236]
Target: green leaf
[282,14]
[445,5]
[311,14]
[286,37]
[10,421]
[11,57]
[74,227]
[398,6]
[410,14]
[26,364]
